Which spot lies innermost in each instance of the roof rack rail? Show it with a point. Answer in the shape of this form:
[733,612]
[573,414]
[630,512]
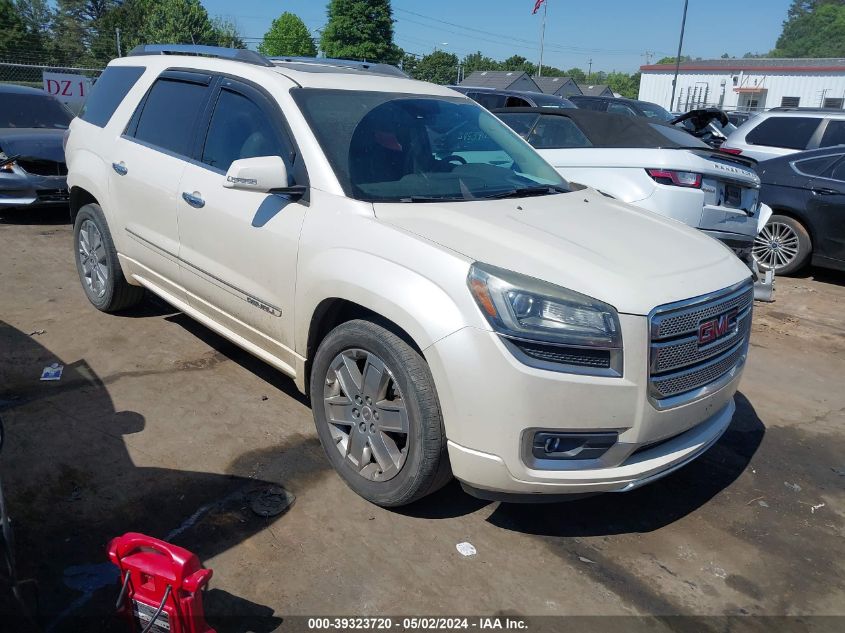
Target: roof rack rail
[803,109]
[374,68]
[221,52]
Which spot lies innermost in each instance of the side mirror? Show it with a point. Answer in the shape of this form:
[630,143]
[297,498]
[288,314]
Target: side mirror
[266,174]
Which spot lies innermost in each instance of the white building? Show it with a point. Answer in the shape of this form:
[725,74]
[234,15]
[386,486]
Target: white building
[746,84]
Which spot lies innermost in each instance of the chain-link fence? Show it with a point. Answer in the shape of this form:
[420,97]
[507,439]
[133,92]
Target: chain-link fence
[68,84]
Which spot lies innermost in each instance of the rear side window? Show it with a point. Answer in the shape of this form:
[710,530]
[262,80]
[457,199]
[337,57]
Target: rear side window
[815,166]
[489,100]
[240,129]
[108,91]
[169,115]
[839,171]
[781,131]
[554,132]
[591,104]
[834,134]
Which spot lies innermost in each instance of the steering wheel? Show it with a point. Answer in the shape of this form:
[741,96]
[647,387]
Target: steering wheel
[454,158]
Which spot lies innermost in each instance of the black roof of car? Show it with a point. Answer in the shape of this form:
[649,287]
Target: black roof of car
[604,129]
[14,89]
[528,94]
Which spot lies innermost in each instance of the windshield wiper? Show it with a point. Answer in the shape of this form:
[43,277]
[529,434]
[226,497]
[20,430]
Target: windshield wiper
[9,159]
[524,192]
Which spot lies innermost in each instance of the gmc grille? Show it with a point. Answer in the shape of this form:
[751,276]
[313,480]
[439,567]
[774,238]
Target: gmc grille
[678,364]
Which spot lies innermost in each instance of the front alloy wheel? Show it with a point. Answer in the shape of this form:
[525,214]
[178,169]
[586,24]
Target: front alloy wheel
[366,414]
[377,413]
[91,251]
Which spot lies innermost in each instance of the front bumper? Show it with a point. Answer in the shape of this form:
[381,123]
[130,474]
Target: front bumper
[492,404]
[24,189]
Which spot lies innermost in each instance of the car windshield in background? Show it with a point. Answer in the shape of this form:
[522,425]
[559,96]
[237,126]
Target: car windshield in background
[654,111]
[33,111]
[394,147]
[679,137]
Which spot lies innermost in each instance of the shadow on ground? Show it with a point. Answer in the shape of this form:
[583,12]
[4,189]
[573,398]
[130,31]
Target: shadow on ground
[71,486]
[59,214]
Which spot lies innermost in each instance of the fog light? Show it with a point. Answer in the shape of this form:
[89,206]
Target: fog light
[549,445]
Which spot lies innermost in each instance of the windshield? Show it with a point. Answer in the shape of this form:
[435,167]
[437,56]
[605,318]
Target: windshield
[679,137]
[32,111]
[408,148]
[654,111]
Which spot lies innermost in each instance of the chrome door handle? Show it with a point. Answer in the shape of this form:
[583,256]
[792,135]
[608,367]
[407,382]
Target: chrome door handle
[825,191]
[194,201]
[120,168]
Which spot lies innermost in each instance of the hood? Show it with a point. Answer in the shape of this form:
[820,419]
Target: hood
[33,143]
[630,258]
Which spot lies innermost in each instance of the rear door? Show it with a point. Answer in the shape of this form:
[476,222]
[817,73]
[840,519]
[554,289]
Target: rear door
[239,248]
[146,165]
[826,211]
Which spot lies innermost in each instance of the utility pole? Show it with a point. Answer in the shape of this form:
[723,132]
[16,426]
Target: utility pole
[678,58]
[589,69]
[542,38]
[117,34]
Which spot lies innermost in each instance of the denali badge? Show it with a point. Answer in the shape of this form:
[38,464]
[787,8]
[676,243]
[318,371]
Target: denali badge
[713,329]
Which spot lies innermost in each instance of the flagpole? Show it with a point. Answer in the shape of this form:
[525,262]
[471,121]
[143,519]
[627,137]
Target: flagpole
[542,38]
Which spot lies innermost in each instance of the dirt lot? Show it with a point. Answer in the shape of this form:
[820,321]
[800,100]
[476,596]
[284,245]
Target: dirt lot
[162,427]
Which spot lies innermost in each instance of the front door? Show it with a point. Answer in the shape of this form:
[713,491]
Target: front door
[238,248]
[146,168]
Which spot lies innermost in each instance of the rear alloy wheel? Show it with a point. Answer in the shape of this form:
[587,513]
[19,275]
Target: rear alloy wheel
[783,245]
[378,415]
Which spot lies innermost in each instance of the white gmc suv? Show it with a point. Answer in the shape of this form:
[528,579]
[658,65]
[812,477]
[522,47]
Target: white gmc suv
[450,306]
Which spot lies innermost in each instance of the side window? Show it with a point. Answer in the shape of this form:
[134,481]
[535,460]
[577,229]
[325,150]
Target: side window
[489,100]
[240,128]
[592,104]
[815,166]
[170,114]
[516,102]
[834,134]
[108,91]
[554,132]
[620,108]
[783,131]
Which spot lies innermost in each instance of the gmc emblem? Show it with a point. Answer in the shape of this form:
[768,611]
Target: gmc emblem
[717,327]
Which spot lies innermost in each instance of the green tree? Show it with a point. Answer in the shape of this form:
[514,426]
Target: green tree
[624,84]
[477,61]
[13,34]
[226,33]
[288,35]
[408,63]
[518,62]
[813,29]
[360,29]
[178,22]
[577,74]
[438,67]
[671,60]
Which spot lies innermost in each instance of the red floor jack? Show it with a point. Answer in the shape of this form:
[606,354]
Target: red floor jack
[161,585]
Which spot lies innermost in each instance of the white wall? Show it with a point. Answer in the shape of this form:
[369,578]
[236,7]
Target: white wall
[656,86]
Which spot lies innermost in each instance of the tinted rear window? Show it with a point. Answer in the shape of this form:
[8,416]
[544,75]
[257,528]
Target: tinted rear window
[781,131]
[169,115]
[107,93]
[834,134]
[519,122]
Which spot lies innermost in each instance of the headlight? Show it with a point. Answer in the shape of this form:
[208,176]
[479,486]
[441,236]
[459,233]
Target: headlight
[546,325]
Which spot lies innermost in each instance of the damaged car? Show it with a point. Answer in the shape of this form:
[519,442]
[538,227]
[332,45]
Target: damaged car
[32,160]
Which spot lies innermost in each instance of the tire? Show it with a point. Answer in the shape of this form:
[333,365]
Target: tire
[784,245]
[360,426]
[99,269]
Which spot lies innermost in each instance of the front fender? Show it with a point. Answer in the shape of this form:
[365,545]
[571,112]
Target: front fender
[426,309]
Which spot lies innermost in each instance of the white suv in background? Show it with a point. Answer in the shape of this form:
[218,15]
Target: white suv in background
[783,131]
[447,311]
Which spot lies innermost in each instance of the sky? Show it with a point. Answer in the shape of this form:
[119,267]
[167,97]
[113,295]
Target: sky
[615,34]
